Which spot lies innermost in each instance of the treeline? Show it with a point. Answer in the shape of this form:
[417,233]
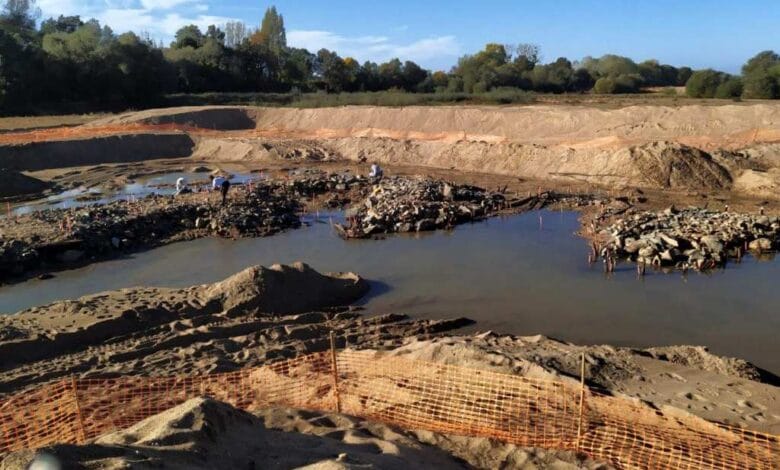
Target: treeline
[69,61]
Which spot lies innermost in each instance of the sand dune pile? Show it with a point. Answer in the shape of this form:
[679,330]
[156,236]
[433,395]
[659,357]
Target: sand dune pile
[258,315]
[69,326]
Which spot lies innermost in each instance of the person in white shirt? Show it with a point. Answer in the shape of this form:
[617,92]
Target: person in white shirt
[181,186]
[376,172]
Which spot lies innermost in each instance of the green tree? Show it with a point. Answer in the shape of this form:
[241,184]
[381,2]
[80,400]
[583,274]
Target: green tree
[704,83]
[413,76]
[331,70]
[391,74]
[188,36]
[683,75]
[271,34]
[731,88]
[761,85]
[19,15]
[63,24]
[761,75]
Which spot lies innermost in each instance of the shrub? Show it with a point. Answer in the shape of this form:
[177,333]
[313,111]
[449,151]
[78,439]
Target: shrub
[731,88]
[704,83]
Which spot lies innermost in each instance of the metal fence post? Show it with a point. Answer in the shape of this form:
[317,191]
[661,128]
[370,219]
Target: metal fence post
[582,400]
[335,370]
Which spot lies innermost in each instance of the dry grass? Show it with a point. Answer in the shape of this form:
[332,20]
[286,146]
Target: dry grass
[19,123]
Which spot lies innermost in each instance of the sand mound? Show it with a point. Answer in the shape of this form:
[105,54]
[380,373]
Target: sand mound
[285,290]
[17,184]
[675,166]
[114,149]
[55,329]
[203,433]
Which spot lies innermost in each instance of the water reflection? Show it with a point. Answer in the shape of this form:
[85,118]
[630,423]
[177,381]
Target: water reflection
[512,275]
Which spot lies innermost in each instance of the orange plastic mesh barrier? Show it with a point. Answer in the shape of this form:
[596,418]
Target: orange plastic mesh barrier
[410,394]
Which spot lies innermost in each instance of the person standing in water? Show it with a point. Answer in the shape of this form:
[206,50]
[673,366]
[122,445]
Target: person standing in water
[223,185]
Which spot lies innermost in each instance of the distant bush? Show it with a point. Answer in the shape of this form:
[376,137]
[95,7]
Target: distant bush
[761,85]
[380,98]
[669,91]
[616,85]
[704,83]
[731,88]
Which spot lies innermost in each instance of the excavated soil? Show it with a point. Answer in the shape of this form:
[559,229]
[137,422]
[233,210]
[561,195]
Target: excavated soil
[687,148]
[648,146]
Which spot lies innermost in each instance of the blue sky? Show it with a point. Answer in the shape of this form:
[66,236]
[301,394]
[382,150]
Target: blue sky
[700,33]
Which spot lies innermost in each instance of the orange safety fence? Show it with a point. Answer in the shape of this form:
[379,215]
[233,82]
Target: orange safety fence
[410,394]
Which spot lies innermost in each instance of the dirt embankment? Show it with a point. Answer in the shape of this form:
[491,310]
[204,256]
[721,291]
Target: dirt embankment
[651,146]
[95,151]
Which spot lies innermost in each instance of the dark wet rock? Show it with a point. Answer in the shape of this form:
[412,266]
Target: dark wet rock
[402,204]
[690,238]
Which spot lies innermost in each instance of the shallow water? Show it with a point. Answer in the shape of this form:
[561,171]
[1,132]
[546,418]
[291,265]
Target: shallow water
[510,274]
[163,184]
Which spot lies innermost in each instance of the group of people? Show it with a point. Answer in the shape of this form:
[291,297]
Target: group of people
[218,183]
[222,184]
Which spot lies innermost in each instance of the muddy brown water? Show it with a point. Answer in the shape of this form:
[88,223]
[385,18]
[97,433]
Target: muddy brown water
[513,275]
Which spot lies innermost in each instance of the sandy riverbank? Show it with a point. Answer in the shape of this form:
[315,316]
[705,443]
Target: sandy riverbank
[265,314]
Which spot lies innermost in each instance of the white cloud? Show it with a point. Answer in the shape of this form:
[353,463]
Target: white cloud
[375,48]
[163,4]
[159,18]
[162,18]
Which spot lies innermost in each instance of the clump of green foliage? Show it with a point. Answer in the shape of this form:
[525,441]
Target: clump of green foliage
[67,63]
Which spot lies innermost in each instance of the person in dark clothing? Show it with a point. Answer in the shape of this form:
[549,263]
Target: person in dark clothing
[224,188]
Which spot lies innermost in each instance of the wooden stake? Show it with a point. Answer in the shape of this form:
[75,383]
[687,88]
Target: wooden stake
[82,432]
[335,368]
[582,400]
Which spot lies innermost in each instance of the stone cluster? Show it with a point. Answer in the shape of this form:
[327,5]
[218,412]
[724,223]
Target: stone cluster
[102,231]
[400,204]
[691,238]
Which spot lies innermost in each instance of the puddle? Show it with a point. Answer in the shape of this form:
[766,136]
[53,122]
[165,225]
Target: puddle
[509,274]
[143,186]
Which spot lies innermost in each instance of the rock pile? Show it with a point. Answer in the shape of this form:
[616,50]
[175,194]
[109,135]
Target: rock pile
[342,187]
[401,204]
[691,238]
[103,231]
